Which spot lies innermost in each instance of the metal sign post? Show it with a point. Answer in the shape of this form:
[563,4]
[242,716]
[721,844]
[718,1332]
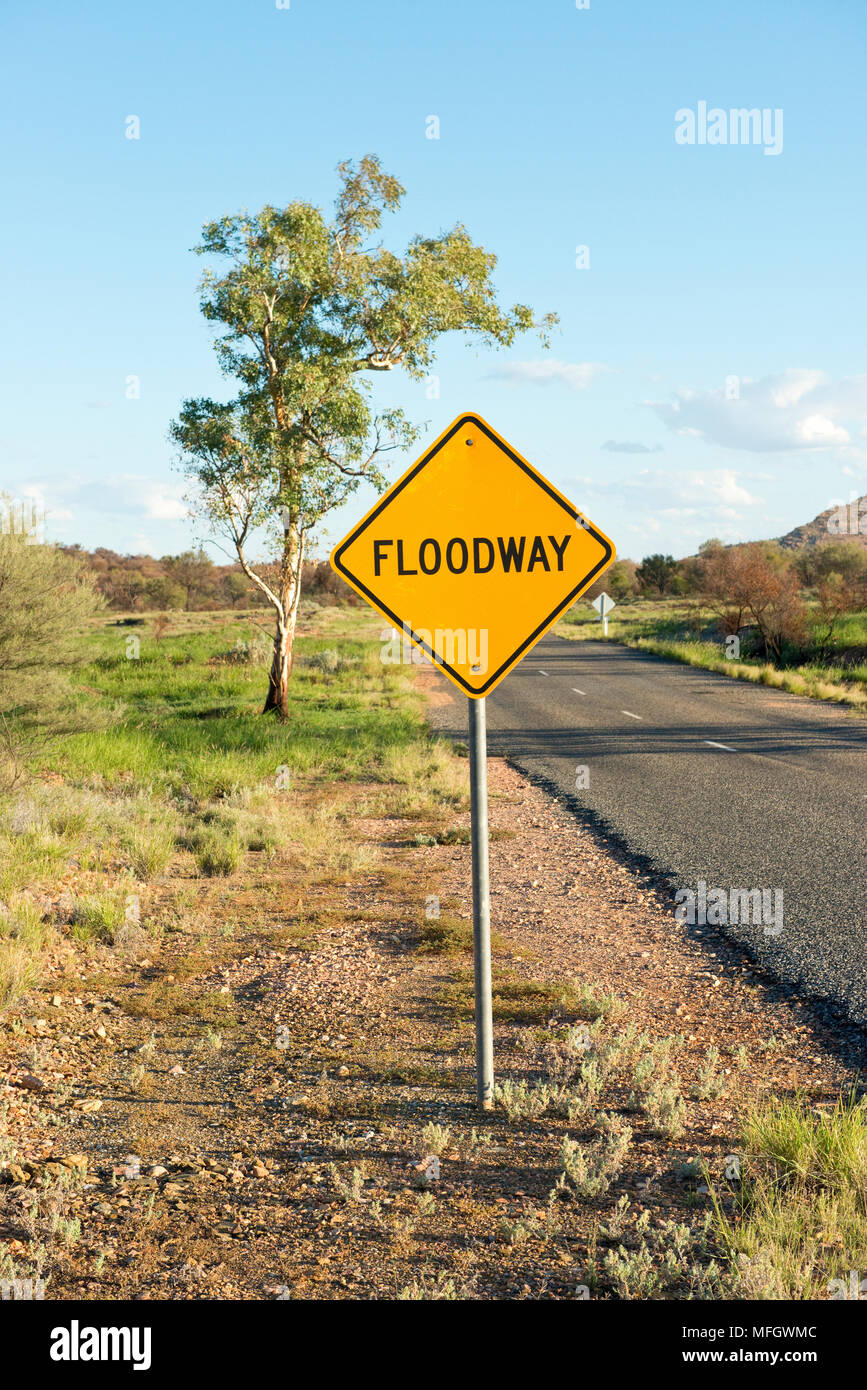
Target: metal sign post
[481,906]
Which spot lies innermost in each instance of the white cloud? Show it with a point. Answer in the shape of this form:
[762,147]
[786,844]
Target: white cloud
[689,502]
[717,485]
[576,375]
[711,492]
[127,496]
[788,389]
[142,544]
[165,504]
[798,409]
[818,429]
[628,446]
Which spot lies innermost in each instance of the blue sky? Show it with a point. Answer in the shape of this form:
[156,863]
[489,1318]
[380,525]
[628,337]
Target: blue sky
[709,374]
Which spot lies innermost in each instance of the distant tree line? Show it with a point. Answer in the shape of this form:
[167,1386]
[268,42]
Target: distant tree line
[188,582]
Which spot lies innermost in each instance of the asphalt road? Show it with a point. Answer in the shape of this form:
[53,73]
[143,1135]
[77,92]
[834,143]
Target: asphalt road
[781,805]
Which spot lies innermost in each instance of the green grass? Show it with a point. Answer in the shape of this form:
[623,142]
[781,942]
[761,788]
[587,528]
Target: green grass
[185,760]
[187,724]
[218,855]
[448,935]
[99,917]
[798,1219]
[518,1000]
[23,934]
[150,849]
[816,682]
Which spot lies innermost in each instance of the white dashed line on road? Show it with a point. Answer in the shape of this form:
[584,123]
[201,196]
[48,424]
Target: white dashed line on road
[710,743]
[631,715]
[576,691]
[542,673]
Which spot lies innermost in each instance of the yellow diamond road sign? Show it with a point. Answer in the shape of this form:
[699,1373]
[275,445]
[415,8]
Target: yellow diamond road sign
[473,554]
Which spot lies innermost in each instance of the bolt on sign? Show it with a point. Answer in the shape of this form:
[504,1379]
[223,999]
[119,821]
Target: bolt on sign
[473,554]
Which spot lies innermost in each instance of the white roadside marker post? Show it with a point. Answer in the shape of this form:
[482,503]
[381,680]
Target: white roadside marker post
[603,605]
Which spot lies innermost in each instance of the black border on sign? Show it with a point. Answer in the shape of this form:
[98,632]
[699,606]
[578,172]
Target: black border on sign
[400,623]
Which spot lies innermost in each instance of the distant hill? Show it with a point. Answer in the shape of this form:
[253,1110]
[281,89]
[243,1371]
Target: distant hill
[837,524]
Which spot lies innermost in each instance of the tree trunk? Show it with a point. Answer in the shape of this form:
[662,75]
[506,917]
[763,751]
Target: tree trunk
[277,701]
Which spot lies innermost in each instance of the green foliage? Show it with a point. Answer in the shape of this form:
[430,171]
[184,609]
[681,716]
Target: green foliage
[620,581]
[307,305]
[848,559]
[181,727]
[434,1139]
[439,1287]
[22,935]
[218,854]
[188,572]
[657,573]
[150,848]
[660,1262]
[590,1169]
[711,1081]
[45,599]
[255,652]
[99,917]
[795,1225]
[180,755]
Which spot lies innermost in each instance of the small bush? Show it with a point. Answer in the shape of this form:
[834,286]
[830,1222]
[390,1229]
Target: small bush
[439,1287]
[218,855]
[150,850]
[665,1108]
[329,662]
[591,1168]
[99,917]
[711,1080]
[258,651]
[262,840]
[522,1101]
[19,971]
[435,1140]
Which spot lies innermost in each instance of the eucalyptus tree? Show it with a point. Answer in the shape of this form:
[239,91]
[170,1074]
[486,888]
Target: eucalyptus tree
[309,310]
